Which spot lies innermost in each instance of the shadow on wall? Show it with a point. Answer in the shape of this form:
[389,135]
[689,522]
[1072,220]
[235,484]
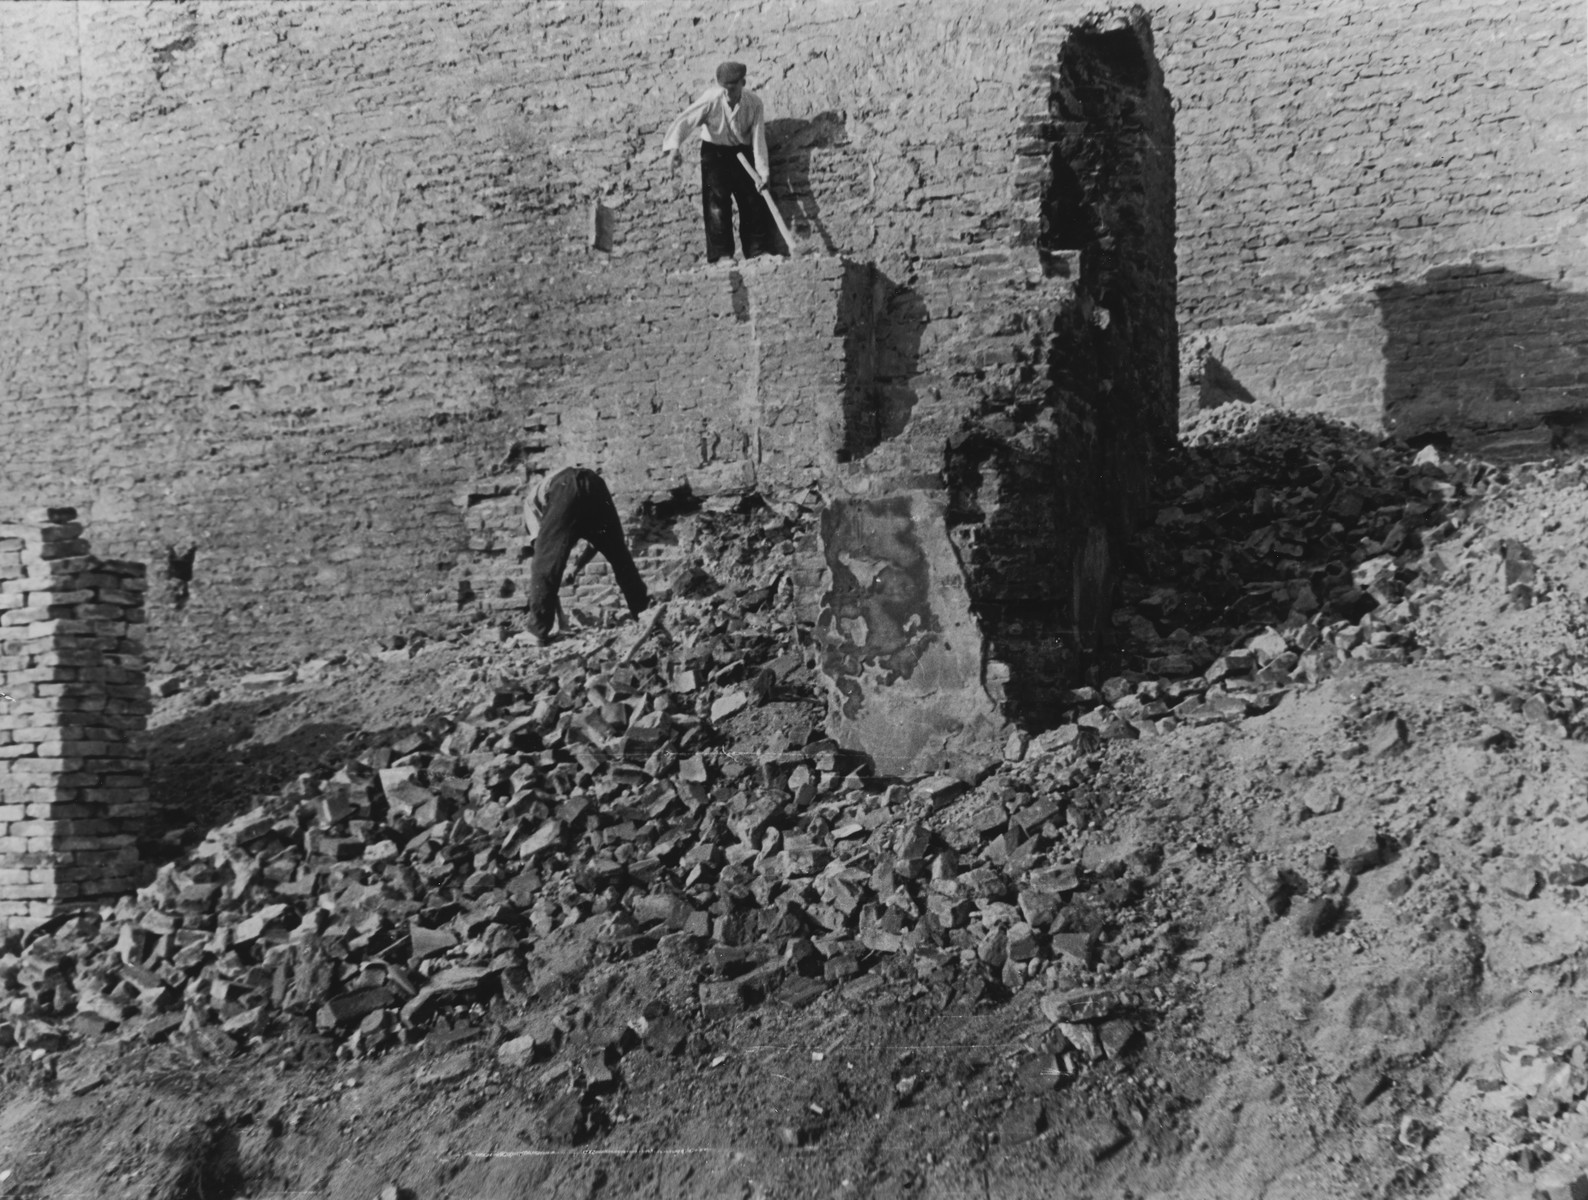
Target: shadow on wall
[1487,360]
[882,323]
[789,142]
[1208,383]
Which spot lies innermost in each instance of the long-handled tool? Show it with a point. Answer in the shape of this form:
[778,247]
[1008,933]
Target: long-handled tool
[782,227]
[648,624]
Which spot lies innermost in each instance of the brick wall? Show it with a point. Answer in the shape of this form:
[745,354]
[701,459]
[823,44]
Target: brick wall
[1331,151]
[43,259]
[332,263]
[1506,353]
[73,702]
[771,402]
[290,276]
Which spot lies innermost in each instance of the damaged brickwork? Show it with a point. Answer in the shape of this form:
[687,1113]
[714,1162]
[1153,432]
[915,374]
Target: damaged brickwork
[1049,476]
[971,559]
[74,795]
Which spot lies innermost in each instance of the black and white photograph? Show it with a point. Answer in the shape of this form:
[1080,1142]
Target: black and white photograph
[793,600]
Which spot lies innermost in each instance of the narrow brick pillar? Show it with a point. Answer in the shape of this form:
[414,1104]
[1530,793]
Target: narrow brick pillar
[73,767]
[802,378]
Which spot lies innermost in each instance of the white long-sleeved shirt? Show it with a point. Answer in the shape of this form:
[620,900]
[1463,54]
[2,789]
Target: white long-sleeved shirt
[724,125]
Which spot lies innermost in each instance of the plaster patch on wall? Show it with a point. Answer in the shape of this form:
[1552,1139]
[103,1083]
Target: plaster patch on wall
[878,620]
[900,649]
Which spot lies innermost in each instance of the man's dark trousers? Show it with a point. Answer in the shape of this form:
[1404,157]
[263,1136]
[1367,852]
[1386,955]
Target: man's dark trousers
[722,183]
[578,505]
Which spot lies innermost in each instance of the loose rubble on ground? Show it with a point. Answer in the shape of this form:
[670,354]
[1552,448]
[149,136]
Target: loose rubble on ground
[597,810]
[663,792]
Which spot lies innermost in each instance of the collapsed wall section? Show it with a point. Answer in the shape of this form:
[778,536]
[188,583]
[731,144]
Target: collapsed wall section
[970,582]
[1050,475]
[73,705]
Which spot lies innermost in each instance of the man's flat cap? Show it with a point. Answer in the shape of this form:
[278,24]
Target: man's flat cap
[730,72]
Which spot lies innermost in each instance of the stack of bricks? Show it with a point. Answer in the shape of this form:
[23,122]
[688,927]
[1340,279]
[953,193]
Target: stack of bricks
[73,769]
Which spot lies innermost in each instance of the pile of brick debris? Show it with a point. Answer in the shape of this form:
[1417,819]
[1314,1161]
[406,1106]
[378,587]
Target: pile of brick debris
[603,807]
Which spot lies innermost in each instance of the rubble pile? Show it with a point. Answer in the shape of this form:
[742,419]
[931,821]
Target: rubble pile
[1527,562]
[669,788]
[1281,583]
[592,811]
[1542,1086]
[605,809]
[624,873]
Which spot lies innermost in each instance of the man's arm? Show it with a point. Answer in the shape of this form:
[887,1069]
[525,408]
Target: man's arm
[758,141]
[581,560]
[683,123]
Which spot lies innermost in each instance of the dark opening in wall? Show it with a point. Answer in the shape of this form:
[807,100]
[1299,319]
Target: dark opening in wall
[1099,92]
[1441,442]
[1117,51]
[1049,481]
[1067,219]
[179,575]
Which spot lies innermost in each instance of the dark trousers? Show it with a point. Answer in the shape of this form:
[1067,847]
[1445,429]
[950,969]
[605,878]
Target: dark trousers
[722,183]
[578,506]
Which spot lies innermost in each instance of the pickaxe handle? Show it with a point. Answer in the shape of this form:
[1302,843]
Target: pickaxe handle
[782,227]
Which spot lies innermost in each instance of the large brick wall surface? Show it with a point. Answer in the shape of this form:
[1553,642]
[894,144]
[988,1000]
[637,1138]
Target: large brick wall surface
[290,278]
[330,261]
[1331,151]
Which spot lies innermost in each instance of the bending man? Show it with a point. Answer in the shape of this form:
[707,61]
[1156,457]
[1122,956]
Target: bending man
[732,126]
[560,509]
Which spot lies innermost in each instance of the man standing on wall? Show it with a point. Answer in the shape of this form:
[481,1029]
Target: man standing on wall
[560,508]
[732,126]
